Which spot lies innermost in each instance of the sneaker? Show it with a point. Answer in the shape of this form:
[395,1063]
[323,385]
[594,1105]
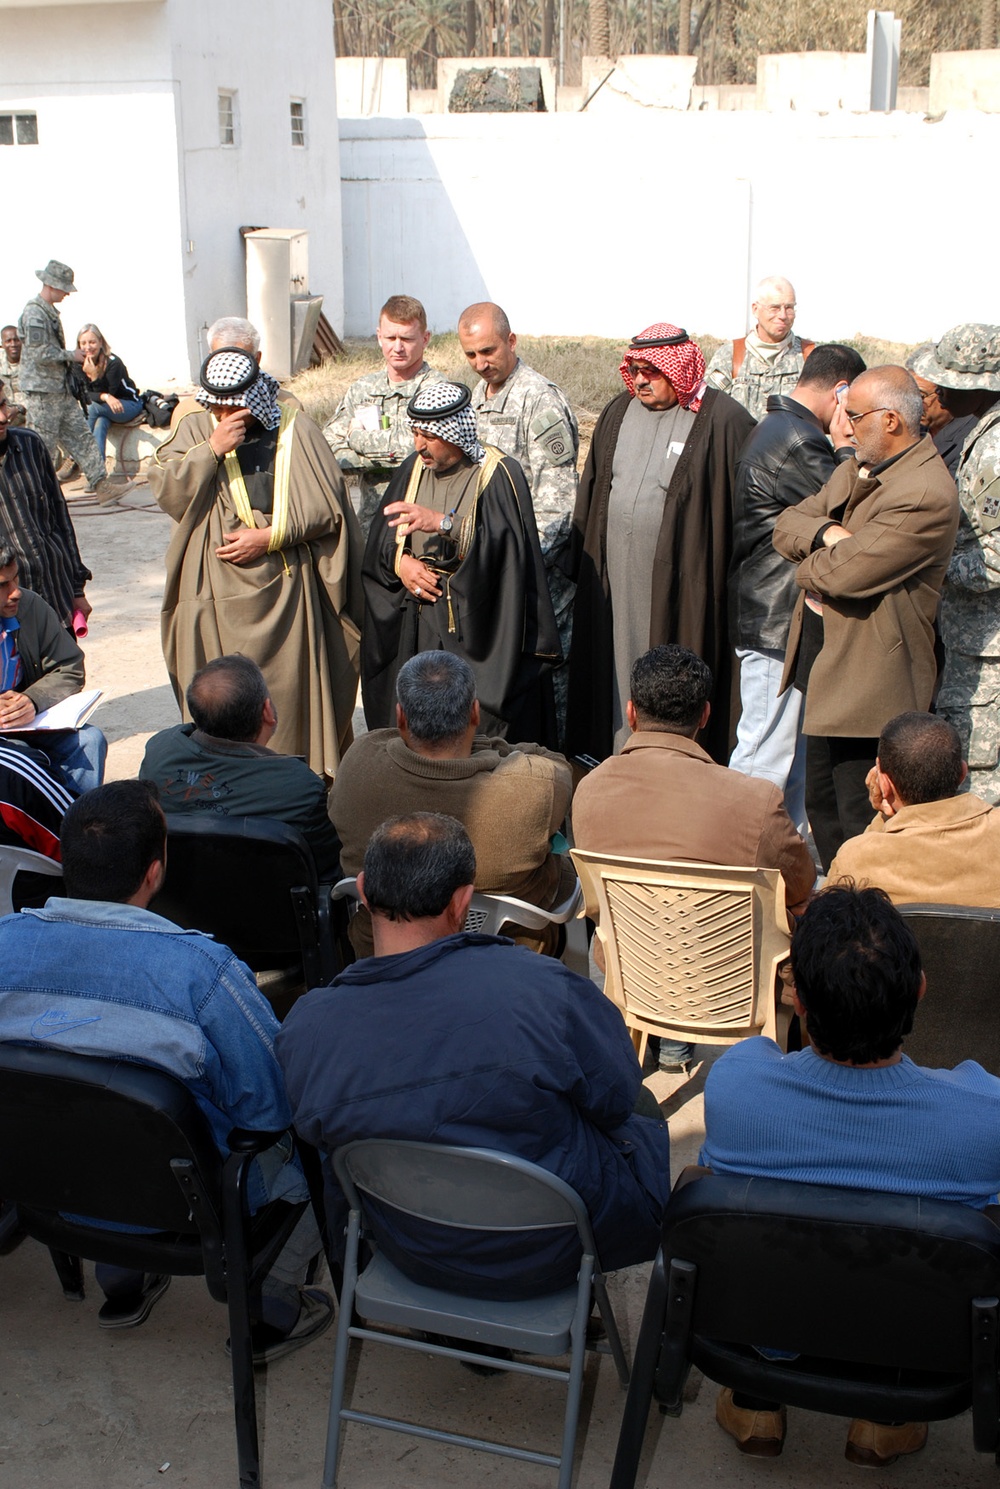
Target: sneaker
[877,1444]
[68,471]
[315,1317]
[760,1434]
[133,1309]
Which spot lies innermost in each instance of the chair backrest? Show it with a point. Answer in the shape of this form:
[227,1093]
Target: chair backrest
[839,1273]
[689,948]
[83,1135]
[489,913]
[958,1019]
[13,861]
[248,881]
[464,1188]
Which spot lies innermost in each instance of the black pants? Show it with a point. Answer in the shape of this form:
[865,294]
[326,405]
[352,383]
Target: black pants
[837,803]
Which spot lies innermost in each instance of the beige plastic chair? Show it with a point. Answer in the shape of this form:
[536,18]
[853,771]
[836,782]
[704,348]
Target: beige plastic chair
[691,951]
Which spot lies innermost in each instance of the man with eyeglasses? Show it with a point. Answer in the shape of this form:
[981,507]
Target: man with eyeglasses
[769,359]
[872,548]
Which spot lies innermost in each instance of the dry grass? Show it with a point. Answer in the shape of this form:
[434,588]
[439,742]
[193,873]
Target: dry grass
[585,367]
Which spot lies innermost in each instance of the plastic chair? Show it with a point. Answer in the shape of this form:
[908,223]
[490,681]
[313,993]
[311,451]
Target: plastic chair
[467,1189]
[960,951]
[124,1143]
[489,913]
[889,1301]
[14,861]
[251,883]
[691,951]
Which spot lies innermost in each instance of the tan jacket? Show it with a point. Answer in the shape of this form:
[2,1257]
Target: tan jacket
[880,589]
[937,852]
[664,798]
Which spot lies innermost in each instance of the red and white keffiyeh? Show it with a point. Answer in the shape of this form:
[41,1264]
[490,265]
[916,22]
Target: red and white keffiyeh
[683,363]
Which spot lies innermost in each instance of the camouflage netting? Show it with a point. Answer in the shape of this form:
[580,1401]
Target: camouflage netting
[497,90]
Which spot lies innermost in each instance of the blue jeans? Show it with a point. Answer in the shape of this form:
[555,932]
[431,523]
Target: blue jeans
[769,740]
[100,416]
[77,754]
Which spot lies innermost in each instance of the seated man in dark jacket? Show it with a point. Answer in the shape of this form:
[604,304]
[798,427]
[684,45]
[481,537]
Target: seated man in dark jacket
[787,457]
[459,1038]
[221,762]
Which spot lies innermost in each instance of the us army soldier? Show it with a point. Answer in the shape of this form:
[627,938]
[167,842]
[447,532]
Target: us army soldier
[967,358]
[52,410]
[525,415]
[370,433]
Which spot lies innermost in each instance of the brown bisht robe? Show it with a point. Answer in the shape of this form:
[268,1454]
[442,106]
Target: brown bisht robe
[291,611]
[690,566]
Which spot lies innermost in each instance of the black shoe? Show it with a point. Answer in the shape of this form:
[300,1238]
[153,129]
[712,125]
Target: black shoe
[476,1347]
[315,1317]
[133,1309]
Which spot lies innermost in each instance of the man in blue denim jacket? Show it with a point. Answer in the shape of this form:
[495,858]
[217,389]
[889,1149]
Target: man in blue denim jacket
[99,973]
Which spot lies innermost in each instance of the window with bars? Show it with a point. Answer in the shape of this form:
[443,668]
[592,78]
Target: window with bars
[298,120]
[227,117]
[18,129]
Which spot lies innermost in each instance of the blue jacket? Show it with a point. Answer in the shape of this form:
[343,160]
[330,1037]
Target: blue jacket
[471,1040]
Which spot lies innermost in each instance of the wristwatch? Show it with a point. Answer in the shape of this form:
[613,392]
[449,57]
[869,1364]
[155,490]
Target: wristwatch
[446,524]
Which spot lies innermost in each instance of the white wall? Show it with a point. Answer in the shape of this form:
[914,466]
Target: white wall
[580,224]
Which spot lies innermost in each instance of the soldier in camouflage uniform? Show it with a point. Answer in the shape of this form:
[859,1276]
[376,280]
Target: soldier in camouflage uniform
[370,433]
[769,359]
[10,375]
[45,382]
[968,357]
[525,415]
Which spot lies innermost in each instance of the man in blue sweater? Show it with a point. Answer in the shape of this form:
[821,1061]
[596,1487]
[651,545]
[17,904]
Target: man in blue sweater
[851,1110]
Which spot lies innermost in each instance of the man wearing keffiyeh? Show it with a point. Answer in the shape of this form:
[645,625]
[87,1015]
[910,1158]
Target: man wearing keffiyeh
[652,537]
[453,562]
[264,556]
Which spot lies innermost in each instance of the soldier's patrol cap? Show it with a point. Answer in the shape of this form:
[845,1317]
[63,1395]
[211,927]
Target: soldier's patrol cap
[57,276]
[967,356]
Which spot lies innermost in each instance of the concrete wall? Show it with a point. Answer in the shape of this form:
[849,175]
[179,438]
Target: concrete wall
[965,80]
[817,81]
[371,85]
[577,224]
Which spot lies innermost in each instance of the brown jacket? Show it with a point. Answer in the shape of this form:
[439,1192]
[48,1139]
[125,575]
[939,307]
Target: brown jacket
[664,798]
[937,852]
[880,589]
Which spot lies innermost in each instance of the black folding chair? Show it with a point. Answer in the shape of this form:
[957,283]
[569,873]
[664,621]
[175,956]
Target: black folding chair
[127,1144]
[960,951]
[889,1302]
[251,883]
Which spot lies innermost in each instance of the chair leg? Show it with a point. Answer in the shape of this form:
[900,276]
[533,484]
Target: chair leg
[345,1312]
[640,1391]
[574,1385]
[240,1340]
[611,1328]
[70,1273]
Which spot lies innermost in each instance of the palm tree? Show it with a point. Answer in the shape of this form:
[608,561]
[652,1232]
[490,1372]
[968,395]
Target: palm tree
[427,30]
[600,30]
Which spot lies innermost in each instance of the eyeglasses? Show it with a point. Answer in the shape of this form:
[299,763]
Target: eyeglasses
[856,418]
[766,305]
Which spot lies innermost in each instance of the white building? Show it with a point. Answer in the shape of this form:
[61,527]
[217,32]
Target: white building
[138,136]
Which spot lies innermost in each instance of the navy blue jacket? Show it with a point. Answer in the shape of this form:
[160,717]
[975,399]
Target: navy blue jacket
[472,1040]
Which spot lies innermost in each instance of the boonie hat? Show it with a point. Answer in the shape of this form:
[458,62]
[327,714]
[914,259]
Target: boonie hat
[967,356]
[57,276]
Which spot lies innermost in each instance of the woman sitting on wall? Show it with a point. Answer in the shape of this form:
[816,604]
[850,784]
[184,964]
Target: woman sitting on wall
[111,397]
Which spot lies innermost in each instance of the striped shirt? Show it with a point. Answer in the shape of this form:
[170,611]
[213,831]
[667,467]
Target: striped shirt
[35,523]
[32,802]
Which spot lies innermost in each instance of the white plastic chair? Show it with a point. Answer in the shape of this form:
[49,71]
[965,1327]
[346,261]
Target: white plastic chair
[488,913]
[15,860]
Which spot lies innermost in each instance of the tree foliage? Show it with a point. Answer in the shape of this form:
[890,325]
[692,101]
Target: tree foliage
[726,35]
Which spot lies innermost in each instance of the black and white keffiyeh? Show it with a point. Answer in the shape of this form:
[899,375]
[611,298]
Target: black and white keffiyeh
[231,378]
[443,410]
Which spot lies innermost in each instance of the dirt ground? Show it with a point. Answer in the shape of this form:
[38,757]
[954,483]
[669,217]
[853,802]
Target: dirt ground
[152,1406]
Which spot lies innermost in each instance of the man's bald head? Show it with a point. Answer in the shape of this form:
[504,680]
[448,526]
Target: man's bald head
[228,699]
[485,313]
[488,343]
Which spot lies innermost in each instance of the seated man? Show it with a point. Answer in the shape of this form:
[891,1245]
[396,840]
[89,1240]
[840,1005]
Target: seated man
[41,664]
[928,843]
[664,798]
[851,1110]
[221,762]
[511,798]
[99,974]
[452,1037]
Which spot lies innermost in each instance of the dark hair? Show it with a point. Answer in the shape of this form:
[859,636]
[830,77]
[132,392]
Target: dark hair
[7,555]
[856,968]
[403,309]
[414,864]
[922,756]
[436,691]
[109,838]
[830,363]
[226,698]
[670,686]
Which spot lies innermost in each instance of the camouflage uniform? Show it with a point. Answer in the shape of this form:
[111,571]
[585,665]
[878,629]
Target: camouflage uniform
[530,419]
[45,389]
[758,377]
[372,455]
[10,376]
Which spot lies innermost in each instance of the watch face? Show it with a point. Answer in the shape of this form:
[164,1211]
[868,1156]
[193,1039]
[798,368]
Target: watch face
[446,525]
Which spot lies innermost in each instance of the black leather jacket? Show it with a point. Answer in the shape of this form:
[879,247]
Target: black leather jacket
[786,458]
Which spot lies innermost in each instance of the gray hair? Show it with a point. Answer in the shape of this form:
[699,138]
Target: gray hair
[893,387]
[436,691]
[773,284]
[232,330]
